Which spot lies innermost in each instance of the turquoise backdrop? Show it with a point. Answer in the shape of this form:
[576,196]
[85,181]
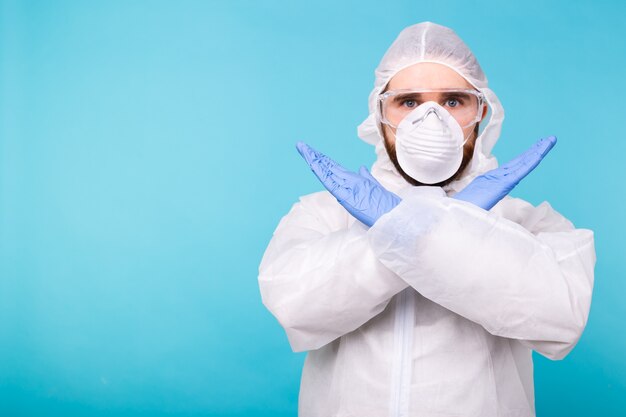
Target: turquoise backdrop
[147,154]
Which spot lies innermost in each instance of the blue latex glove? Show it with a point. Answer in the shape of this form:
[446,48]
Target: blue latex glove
[488,189]
[360,194]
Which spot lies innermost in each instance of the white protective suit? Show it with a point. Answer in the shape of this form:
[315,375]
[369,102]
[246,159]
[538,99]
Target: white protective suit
[434,310]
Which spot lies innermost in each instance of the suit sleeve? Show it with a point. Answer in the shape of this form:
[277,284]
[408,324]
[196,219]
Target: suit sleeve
[521,272]
[319,276]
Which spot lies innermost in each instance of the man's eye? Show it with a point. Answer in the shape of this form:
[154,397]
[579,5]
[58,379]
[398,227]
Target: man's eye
[452,102]
[409,103]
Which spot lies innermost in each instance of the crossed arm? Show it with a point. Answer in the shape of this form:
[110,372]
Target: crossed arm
[325,274]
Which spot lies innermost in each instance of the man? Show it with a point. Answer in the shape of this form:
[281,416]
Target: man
[421,289]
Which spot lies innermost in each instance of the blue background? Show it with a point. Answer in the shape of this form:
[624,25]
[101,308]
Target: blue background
[147,154]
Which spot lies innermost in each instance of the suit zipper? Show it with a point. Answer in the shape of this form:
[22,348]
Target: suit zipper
[402,363]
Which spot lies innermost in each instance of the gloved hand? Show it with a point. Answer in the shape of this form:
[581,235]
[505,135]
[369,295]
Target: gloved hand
[488,189]
[360,193]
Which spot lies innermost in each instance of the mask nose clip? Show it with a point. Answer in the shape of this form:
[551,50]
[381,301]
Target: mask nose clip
[428,113]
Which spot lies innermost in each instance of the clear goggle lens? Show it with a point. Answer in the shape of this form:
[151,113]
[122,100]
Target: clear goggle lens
[463,104]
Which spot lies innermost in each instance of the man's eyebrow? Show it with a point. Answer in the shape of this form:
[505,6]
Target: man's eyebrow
[408,94]
[454,93]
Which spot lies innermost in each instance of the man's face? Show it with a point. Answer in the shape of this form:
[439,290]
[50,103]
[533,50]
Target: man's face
[428,75]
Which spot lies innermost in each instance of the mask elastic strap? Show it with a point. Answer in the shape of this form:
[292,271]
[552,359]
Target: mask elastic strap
[467,138]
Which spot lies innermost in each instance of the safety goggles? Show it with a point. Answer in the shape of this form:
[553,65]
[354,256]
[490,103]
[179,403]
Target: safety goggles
[464,105]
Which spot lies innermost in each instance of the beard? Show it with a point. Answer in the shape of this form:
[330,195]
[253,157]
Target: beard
[468,151]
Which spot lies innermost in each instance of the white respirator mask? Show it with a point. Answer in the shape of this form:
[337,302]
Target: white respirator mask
[429,144]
